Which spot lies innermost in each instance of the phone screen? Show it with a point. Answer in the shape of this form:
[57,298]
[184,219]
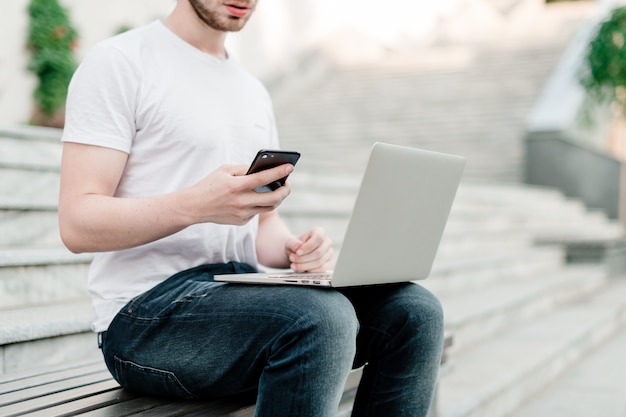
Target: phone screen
[266,159]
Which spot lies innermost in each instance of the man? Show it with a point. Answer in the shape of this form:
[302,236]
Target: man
[161,126]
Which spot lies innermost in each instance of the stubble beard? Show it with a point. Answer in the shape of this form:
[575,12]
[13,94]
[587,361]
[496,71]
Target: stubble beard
[216,21]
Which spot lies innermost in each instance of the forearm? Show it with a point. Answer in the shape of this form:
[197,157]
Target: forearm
[96,223]
[271,241]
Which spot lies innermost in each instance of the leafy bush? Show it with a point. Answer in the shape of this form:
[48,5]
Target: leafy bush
[51,41]
[604,75]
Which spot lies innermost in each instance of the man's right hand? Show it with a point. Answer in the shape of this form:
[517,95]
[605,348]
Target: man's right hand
[228,196]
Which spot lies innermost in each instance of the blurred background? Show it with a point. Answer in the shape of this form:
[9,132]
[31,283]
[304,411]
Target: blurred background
[531,267]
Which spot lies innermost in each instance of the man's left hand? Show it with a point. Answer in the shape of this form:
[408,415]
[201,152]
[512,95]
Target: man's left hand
[310,252]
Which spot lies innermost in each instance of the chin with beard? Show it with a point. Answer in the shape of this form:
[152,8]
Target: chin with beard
[220,22]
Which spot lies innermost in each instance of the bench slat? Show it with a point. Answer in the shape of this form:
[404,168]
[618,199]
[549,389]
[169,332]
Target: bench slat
[86,404]
[216,408]
[134,405]
[150,406]
[46,401]
[241,412]
[14,377]
[62,386]
[49,378]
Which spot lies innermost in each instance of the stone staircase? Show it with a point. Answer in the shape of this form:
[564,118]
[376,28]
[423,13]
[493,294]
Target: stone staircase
[470,98]
[44,307]
[525,322]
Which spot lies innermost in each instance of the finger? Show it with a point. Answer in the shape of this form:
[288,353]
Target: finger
[268,176]
[292,244]
[315,255]
[236,170]
[269,200]
[311,240]
[318,265]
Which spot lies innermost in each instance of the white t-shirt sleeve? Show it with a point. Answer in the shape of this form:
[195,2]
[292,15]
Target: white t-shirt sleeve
[101,101]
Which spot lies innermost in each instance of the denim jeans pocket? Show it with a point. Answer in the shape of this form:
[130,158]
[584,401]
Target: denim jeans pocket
[149,380]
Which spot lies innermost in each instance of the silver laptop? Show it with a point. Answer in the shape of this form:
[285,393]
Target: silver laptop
[396,225]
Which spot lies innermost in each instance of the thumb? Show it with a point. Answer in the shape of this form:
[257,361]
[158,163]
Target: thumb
[292,244]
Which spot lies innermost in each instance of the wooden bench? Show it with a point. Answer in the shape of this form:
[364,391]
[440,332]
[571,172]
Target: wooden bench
[87,389]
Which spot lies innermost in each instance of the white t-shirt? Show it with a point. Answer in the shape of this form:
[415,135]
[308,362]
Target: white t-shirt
[179,114]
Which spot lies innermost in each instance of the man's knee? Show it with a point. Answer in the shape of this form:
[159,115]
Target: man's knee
[412,315]
[423,323]
[328,320]
[330,312]
[423,311]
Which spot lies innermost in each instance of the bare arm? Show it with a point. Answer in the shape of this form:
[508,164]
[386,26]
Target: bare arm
[91,219]
[277,247]
[272,240]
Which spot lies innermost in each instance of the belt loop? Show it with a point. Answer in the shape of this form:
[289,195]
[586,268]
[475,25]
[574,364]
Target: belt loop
[100,340]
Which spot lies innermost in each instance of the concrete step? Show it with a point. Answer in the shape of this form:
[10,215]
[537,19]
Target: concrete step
[540,230]
[483,269]
[543,214]
[353,109]
[459,241]
[40,322]
[498,376]
[472,316]
[324,192]
[25,187]
[474,200]
[377,93]
[465,234]
[479,264]
[561,210]
[30,153]
[469,242]
[30,158]
[51,334]
[31,277]
[29,132]
[29,227]
[593,387]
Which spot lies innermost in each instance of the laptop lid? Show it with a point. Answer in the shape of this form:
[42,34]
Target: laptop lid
[399,216]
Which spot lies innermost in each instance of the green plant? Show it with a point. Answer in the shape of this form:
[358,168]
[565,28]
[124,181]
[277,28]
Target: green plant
[51,41]
[604,72]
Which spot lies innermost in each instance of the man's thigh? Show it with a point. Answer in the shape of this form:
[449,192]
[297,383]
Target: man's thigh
[211,339]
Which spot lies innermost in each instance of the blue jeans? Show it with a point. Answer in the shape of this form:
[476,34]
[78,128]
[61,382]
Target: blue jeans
[291,347]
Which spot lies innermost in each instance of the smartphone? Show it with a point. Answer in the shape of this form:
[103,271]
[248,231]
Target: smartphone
[266,159]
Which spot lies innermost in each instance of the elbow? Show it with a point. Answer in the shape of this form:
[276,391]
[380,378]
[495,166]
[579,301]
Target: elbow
[70,237]
[73,249]
[70,242]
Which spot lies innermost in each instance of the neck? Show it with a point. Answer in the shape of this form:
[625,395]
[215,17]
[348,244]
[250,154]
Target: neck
[184,22]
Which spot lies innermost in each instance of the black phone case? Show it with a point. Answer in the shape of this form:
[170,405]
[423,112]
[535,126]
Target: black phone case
[266,159]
